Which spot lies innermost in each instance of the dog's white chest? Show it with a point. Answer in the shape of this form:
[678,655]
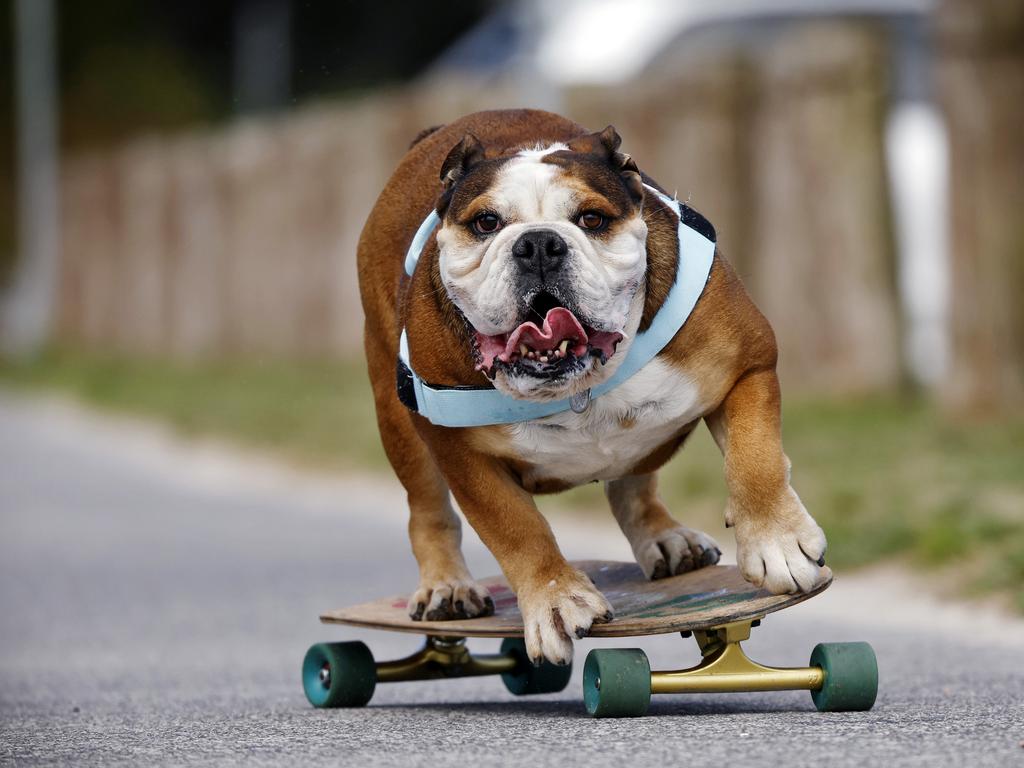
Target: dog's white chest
[620,428]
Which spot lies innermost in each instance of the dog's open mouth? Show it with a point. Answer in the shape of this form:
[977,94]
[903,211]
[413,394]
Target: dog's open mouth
[555,348]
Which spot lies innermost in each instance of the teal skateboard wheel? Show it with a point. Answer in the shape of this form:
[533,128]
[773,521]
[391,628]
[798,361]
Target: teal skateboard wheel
[339,675]
[528,679]
[617,683]
[851,677]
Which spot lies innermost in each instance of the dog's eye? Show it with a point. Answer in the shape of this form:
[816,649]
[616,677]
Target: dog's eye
[591,220]
[486,224]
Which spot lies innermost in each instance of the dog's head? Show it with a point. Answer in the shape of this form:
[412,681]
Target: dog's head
[543,252]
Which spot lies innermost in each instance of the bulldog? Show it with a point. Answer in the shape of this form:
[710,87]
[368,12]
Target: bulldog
[513,259]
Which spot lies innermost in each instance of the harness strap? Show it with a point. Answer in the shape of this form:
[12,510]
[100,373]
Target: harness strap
[471,406]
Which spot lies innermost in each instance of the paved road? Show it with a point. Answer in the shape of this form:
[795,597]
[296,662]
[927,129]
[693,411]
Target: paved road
[156,599]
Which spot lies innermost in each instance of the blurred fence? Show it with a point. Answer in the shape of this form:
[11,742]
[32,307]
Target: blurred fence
[981,79]
[242,240]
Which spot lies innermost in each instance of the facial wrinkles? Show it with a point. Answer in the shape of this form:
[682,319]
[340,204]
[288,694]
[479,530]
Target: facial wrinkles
[457,262]
[599,266]
[626,250]
[527,193]
[615,265]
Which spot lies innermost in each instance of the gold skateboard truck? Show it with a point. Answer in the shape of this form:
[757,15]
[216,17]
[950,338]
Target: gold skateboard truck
[619,682]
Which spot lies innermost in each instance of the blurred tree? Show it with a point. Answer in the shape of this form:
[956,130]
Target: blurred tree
[981,80]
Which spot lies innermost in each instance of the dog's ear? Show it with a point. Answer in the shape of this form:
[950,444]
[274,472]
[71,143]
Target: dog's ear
[460,160]
[603,143]
[606,144]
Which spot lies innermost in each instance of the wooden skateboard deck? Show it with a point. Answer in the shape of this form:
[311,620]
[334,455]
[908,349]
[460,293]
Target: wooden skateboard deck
[702,599]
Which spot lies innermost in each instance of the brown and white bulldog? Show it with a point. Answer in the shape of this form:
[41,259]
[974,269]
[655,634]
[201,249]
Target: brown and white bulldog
[550,257]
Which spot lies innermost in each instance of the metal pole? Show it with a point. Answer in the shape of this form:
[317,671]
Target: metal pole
[29,309]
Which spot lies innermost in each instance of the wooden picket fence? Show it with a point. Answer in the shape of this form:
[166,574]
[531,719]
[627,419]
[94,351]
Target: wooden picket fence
[241,240]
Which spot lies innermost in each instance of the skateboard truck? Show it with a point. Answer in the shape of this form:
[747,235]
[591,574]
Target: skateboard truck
[726,668]
[345,674]
[442,657]
[620,682]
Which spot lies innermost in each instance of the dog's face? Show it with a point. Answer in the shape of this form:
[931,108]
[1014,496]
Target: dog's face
[544,254]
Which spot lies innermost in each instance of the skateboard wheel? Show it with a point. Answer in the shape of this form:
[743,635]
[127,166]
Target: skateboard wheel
[528,679]
[851,677]
[339,675]
[617,683]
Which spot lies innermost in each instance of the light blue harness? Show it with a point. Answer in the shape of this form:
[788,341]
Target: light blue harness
[470,406]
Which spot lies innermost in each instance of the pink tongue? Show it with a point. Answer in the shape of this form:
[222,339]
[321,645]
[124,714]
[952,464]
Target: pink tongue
[559,324]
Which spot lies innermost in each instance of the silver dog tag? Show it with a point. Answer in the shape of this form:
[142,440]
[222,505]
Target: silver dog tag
[580,401]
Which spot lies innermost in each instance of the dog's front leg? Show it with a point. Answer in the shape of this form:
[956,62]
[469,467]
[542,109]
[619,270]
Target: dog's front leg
[661,545]
[778,544]
[558,602]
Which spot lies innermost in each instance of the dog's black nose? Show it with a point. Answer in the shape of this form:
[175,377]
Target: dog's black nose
[540,251]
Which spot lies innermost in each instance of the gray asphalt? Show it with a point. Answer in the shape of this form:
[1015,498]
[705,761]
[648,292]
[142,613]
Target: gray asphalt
[156,602]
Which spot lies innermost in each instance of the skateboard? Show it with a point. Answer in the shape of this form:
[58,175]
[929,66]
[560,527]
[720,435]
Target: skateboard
[714,605]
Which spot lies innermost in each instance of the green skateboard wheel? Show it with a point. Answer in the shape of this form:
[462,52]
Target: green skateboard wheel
[528,679]
[339,675]
[851,677]
[617,683]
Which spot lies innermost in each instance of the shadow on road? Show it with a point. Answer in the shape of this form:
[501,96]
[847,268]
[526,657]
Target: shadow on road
[668,707]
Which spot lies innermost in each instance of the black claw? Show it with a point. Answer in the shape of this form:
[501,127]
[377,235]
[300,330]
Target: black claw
[442,612]
[580,632]
[488,606]
[660,570]
[537,661]
[417,615]
[710,557]
[562,663]
[821,561]
[460,609]
[608,616]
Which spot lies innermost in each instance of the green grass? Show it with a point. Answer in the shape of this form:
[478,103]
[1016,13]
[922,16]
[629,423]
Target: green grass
[886,478]
[312,413]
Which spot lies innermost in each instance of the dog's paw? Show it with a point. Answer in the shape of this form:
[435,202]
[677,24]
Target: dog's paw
[674,551]
[557,611]
[783,549]
[445,599]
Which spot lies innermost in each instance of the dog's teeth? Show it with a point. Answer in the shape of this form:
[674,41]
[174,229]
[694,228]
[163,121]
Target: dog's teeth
[523,351]
[563,346]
